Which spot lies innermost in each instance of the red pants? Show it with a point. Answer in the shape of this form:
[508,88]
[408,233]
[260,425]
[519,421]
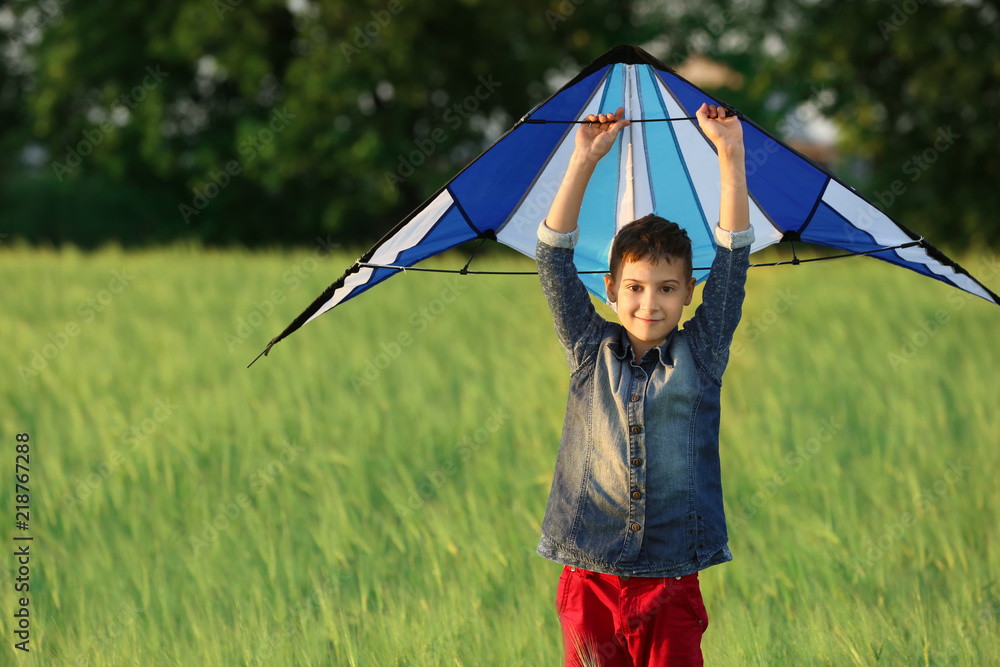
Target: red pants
[616,621]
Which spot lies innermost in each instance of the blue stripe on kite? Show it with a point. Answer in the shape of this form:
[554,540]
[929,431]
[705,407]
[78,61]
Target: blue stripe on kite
[785,185]
[597,214]
[613,97]
[449,231]
[670,173]
[378,275]
[646,112]
[819,200]
[492,186]
[829,228]
[893,257]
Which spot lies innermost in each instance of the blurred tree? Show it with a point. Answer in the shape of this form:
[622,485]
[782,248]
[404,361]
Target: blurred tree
[272,120]
[279,120]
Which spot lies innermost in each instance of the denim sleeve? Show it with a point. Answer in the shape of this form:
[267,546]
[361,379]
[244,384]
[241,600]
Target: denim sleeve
[578,326]
[714,323]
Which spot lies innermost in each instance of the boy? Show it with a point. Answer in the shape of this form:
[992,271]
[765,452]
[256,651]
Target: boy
[635,508]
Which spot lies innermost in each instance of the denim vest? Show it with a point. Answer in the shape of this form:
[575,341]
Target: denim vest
[637,488]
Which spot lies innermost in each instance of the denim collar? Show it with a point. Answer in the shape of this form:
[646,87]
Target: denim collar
[622,347]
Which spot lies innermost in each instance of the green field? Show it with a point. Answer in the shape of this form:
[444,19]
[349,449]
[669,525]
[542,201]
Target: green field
[371,493]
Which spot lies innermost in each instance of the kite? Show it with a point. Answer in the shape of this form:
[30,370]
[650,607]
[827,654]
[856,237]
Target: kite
[661,163]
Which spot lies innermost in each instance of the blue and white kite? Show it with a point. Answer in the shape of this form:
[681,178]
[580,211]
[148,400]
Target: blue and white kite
[661,163]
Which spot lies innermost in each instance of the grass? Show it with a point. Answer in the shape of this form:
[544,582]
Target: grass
[371,492]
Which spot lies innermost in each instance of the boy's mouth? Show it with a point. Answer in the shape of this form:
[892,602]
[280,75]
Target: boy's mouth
[643,319]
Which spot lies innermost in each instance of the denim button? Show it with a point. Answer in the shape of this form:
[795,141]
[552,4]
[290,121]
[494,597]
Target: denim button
[640,376]
[636,429]
[636,495]
[637,462]
[635,398]
[636,526]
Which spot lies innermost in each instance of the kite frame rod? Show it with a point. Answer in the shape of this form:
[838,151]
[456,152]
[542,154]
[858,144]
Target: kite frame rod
[541,121]
[794,261]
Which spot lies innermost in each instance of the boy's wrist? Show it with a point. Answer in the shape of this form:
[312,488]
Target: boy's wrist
[582,160]
[735,152]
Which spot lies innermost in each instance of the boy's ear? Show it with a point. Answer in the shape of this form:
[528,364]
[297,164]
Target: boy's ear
[690,294]
[609,285]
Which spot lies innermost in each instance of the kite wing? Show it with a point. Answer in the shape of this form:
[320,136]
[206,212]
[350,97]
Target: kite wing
[661,163]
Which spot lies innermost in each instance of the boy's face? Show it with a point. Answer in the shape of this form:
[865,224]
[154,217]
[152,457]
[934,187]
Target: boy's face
[650,299]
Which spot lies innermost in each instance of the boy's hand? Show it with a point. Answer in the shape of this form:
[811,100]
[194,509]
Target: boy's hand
[725,132]
[595,138]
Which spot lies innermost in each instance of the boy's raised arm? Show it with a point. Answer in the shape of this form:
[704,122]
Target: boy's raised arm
[715,321]
[727,135]
[576,320]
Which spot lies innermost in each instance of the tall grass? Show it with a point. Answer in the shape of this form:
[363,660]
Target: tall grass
[371,492]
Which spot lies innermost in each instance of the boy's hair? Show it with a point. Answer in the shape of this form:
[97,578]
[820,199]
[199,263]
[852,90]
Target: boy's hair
[650,237]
